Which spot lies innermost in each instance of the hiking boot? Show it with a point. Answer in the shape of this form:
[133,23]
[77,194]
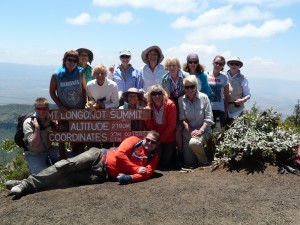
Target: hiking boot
[179,160]
[11,183]
[20,190]
[210,150]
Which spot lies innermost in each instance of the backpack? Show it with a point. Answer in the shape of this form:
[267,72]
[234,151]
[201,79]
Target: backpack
[19,135]
[136,146]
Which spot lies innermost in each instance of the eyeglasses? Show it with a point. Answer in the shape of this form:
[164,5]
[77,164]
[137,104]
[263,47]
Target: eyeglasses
[72,60]
[151,141]
[41,108]
[193,62]
[190,86]
[218,63]
[155,93]
[125,56]
[234,64]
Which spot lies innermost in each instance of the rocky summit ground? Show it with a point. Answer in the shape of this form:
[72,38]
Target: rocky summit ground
[256,196]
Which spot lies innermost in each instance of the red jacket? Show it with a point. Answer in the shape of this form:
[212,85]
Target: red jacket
[167,129]
[125,160]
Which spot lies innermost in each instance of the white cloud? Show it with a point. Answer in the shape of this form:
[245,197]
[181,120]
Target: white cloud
[122,18]
[169,6]
[222,15]
[268,3]
[205,52]
[80,20]
[229,31]
[259,61]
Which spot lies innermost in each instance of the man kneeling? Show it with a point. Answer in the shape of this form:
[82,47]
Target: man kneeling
[133,161]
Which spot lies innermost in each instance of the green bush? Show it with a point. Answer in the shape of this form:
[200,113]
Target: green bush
[16,168]
[260,136]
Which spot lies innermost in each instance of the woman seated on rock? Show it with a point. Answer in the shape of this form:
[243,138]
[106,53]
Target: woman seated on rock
[196,116]
[163,120]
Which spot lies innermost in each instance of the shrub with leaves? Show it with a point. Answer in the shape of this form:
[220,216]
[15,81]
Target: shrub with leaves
[15,168]
[258,135]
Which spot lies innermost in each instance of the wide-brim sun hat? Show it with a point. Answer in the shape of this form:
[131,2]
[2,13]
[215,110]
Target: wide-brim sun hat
[89,52]
[235,59]
[135,91]
[147,50]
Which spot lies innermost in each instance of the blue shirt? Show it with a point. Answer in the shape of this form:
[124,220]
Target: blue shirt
[127,79]
[202,80]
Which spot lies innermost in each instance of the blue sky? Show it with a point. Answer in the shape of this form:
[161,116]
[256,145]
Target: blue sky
[263,33]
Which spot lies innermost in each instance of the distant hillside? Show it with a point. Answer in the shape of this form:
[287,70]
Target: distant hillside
[8,118]
[21,83]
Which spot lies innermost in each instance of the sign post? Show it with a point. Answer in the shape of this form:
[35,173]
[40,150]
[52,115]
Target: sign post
[111,125]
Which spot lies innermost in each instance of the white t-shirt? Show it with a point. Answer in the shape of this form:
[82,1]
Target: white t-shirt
[109,91]
[151,78]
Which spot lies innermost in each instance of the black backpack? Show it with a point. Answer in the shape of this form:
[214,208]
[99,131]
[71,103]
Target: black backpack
[19,135]
[150,156]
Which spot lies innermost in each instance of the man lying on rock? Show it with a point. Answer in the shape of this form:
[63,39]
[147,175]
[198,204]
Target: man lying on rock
[133,161]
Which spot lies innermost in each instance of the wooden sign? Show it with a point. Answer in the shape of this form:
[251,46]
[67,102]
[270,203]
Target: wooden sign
[96,126]
[110,125]
[105,136]
[102,114]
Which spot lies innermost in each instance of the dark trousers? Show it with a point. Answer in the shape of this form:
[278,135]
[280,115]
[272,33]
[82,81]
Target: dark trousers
[167,154]
[86,168]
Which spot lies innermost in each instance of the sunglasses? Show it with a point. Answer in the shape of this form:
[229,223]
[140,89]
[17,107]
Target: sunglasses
[234,64]
[190,86]
[125,56]
[193,62]
[151,141]
[218,63]
[41,108]
[72,60]
[155,93]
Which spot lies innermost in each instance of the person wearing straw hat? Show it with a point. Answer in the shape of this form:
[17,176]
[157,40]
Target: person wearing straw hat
[239,90]
[153,71]
[132,99]
[86,57]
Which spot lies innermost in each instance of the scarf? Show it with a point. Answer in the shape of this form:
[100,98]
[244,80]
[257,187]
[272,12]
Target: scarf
[63,73]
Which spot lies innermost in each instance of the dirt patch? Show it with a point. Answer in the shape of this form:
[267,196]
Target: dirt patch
[200,197]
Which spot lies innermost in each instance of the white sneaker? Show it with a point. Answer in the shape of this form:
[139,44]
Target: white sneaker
[20,189]
[11,183]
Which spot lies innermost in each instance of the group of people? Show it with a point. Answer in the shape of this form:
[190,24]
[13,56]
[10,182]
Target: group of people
[185,102]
